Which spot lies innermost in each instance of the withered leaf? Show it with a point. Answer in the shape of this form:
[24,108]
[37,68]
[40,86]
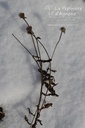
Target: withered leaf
[51,90]
[38,114]
[46,75]
[50,94]
[30,112]
[44,94]
[38,38]
[48,105]
[51,70]
[54,84]
[43,71]
[26,119]
[40,121]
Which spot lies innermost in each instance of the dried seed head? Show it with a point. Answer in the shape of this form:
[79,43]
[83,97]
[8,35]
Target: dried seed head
[22,15]
[29,30]
[63,29]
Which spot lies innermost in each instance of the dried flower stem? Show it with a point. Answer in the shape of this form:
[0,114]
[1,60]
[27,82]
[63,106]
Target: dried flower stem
[34,44]
[56,45]
[47,80]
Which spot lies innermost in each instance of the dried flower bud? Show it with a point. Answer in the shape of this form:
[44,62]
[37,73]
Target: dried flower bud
[22,15]
[63,29]
[29,30]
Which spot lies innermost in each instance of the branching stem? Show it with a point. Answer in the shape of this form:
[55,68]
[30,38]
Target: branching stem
[46,75]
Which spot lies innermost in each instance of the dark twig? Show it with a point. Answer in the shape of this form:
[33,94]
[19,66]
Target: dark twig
[30,112]
[26,119]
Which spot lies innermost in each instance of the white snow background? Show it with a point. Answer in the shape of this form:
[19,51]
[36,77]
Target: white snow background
[19,78]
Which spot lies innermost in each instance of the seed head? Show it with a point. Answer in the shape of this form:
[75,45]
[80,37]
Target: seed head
[63,29]
[22,15]
[29,30]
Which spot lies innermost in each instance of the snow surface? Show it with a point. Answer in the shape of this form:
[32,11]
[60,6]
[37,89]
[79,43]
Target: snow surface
[19,79]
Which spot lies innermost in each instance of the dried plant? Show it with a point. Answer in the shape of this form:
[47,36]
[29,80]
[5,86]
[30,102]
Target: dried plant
[2,114]
[47,78]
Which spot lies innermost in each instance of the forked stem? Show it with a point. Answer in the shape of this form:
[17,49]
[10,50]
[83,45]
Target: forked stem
[46,77]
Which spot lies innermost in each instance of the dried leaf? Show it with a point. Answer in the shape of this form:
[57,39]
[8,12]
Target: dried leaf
[48,105]
[44,94]
[38,38]
[38,114]
[51,70]
[50,94]
[26,119]
[40,121]
[43,71]
[54,84]
[51,82]
[51,90]
[30,112]
[46,75]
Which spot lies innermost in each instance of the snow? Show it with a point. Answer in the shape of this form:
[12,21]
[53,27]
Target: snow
[19,79]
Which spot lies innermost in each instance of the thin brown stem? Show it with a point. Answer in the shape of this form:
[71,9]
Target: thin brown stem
[37,42]
[55,48]
[38,49]
[26,21]
[26,49]
[56,45]
[31,37]
[40,97]
[34,44]
[43,47]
